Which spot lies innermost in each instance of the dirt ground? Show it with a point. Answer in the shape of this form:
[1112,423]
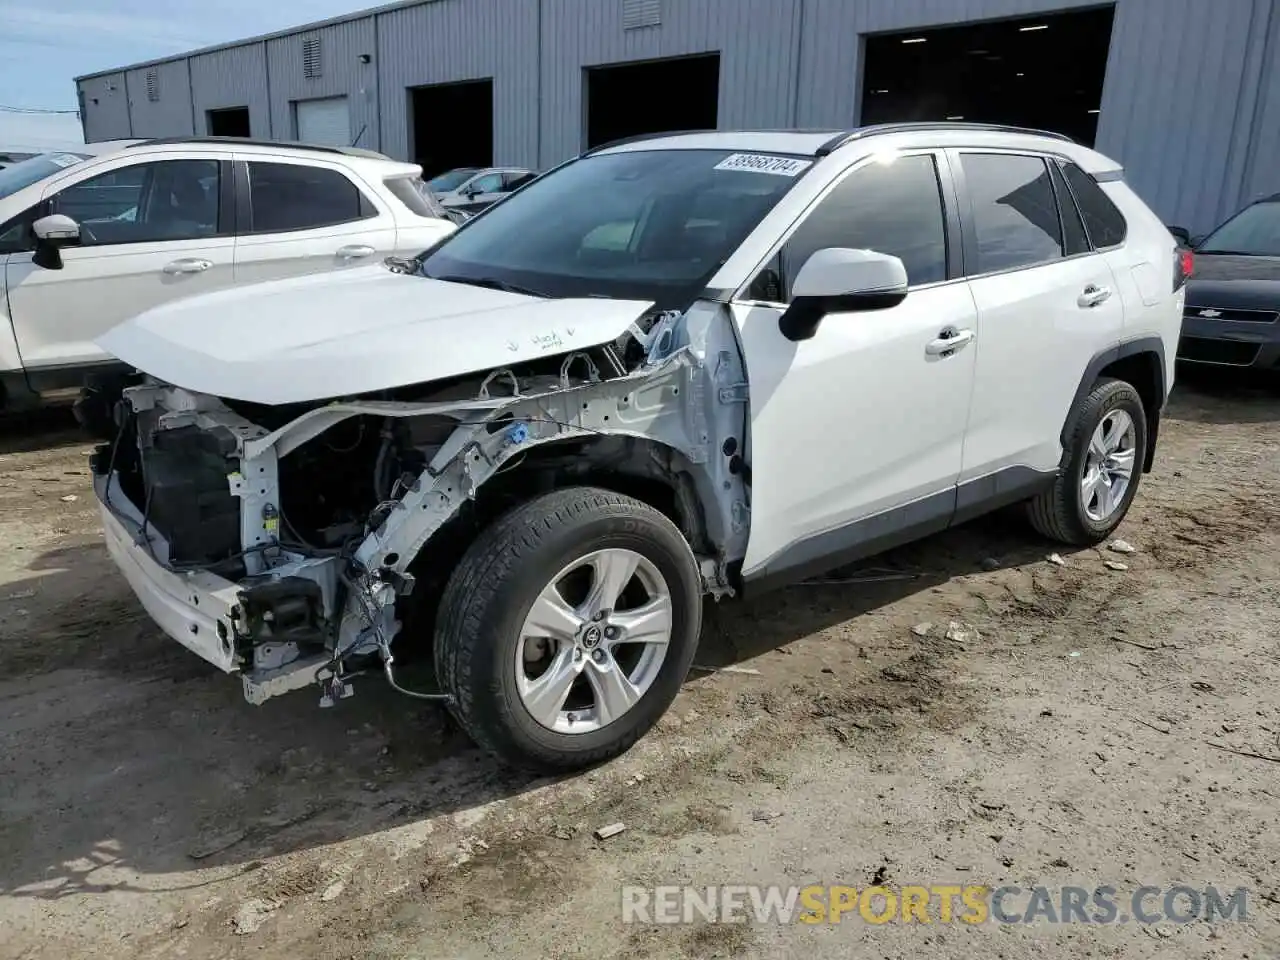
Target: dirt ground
[1075,729]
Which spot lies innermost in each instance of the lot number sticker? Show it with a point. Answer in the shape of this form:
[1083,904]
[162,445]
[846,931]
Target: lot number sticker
[763,163]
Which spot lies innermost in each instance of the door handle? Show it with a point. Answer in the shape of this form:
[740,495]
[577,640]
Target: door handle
[948,342]
[188,265]
[355,251]
[1092,296]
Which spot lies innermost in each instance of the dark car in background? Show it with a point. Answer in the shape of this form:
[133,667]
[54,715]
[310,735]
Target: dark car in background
[1232,314]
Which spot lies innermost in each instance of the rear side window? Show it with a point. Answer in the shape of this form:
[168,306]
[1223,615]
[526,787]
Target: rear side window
[1015,216]
[893,208]
[1102,218]
[288,196]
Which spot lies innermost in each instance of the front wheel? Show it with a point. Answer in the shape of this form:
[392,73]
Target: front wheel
[1105,452]
[568,627]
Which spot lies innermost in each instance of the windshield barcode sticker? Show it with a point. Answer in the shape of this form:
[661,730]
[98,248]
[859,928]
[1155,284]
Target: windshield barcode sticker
[763,163]
[65,159]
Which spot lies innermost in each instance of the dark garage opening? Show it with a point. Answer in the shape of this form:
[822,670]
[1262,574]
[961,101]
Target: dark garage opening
[230,122]
[656,96]
[452,125]
[1044,72]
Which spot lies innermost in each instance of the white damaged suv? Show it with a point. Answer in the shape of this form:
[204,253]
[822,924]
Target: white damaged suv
[679,366]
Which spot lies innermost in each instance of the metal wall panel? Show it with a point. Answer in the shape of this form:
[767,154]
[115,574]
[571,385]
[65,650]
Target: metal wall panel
[105,108]
[168,115]
[235,77]
[450,40]
[1260,176]
[1178,104]
[341,74]
[756,40]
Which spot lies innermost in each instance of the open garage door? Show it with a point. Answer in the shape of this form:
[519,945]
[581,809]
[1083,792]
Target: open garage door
[1044,72]
[228,122]
[326,122]
[656,96]
[452,126]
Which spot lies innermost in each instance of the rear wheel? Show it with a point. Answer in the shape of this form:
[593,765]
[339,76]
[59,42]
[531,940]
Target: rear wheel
[1105,452]
[568,627]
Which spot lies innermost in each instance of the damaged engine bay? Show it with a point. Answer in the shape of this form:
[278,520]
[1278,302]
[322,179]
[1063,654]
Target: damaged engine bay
[313,539]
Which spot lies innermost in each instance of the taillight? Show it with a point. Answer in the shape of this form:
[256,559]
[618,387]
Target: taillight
[1184,265]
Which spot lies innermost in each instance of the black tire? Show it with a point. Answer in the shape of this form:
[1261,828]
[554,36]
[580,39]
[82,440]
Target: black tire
[1059,512]
[489,595]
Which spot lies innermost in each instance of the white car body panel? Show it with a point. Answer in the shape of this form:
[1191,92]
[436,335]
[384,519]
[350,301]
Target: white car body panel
[58,314]
[356,331]
[1034,342]
[889,418]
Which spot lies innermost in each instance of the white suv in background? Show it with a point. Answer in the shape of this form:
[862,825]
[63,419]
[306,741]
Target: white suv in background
[682,365]
[89,241]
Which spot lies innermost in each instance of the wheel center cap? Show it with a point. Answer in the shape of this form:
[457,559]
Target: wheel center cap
[591,637]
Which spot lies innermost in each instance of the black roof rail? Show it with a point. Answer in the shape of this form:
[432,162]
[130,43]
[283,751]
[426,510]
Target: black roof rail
[640,138]
[258,142]
[924,125]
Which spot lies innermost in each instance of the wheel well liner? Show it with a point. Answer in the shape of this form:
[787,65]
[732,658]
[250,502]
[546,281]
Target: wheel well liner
[1139,362]
[647,470]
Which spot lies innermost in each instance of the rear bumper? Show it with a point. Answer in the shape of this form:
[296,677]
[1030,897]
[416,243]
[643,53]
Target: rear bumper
[1230,344]
[192,608]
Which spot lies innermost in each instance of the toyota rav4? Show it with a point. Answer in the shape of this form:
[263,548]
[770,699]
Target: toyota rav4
[675,367]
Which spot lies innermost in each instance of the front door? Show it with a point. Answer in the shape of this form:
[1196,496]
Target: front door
[149,233]
[857,434]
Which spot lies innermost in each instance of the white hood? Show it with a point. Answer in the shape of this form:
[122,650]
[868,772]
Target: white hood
[353,331]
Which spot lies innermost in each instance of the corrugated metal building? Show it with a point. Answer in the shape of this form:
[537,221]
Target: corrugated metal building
[1187,91]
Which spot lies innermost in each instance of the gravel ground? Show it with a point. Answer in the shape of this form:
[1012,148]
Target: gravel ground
[1060,724]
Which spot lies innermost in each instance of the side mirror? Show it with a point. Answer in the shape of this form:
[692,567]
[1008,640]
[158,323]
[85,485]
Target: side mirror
[53,232]
[1182,235]
[837,280]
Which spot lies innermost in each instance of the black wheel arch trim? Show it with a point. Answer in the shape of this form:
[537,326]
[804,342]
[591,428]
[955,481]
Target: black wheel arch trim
[1104,359]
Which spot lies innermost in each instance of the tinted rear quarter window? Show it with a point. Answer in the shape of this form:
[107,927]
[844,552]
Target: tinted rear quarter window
[1103,220]
[287,196]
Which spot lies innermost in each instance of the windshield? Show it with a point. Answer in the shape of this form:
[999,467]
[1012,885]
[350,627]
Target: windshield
[1253,232]
[35,169]
[451,180]
[651,225]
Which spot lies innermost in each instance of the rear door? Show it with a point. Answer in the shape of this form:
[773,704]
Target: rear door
[298,217]
[1047,304]
[150,232]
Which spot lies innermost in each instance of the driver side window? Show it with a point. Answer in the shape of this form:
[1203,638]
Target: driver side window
[491,183]
[894,208]
[167,200]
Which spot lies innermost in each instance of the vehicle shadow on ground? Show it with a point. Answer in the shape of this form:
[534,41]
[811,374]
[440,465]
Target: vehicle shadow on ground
[42,429]
[124,757]
[1224,396]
